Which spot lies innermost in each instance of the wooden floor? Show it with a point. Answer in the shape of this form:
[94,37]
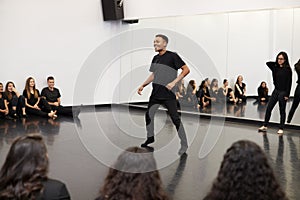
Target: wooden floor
[80,151]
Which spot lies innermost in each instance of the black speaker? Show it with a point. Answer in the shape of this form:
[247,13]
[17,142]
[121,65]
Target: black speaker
[112,9]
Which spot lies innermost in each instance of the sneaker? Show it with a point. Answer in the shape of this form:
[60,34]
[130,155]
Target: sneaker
[263,129]
[148,141]
[280,132]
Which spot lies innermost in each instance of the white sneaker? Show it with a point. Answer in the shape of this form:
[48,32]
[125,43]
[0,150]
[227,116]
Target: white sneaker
[263,128]
[280,132]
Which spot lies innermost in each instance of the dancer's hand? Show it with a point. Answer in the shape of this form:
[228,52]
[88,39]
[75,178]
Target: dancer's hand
[286,98]
[170,86]
[140,90]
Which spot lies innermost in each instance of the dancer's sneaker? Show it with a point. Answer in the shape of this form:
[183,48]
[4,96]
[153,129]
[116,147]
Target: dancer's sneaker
[263,129]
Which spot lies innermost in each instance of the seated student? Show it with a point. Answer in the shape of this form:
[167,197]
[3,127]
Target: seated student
[3,104]
[226,93]
[24,172]
[34,104]
[245,174]
[134,176]
[240,89]
[16,102]
[204,95]
[180,92]
[191,97]
[52,96]
[214,89]
[262,91]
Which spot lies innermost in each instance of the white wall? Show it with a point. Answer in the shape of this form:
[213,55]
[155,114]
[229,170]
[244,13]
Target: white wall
[40,38]
[156,8]
[96,62]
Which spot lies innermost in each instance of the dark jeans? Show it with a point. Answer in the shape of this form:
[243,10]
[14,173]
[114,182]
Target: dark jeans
[43,105]
[295,103]
[18,102]
[276,96]
[60,110]
[171,105]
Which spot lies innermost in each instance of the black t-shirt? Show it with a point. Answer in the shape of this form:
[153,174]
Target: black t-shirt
[32,100]
[2,98]
[51,96]
[238,88]
[282,77]
[165,69]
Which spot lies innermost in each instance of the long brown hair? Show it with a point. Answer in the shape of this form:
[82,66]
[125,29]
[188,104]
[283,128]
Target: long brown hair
[7,93]
[24,169]
[130,179]
[27,88]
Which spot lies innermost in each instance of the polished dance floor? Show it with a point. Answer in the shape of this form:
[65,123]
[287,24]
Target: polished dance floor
[80,151]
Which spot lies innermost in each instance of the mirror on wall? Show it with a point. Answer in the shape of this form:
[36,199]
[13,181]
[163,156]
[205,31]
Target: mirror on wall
[224,46]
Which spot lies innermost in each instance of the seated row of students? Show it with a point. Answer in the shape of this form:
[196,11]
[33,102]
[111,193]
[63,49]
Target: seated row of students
[32,102]
[212,93]
[245,173]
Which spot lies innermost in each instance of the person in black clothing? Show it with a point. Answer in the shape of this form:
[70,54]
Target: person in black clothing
[226,94]
[24,172]
[52,96]
[262,92]
[16,102]
[3,103]
[164,69]
[296,94]
[191,97]
[282,79]
[240,89]
[204,95]
[34,103]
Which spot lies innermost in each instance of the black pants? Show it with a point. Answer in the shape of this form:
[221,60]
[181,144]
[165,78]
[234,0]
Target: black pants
[18,102]
[276,96]
[295,103]
[43,105]
[171,105]
[60,110]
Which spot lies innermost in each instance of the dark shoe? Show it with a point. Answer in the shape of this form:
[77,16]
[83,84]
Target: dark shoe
[182,150]
[288,121]
[23,116]
[150,149]
[8,117]
[15,116]
[148,141]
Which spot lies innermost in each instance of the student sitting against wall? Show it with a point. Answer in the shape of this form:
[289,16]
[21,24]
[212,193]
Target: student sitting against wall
[191,97]
[3,104]
[204,95]
[36,105]
[240,89]
[23,175]
[226,93]
[214,89]
[16,102]
[52,96]
[262,91]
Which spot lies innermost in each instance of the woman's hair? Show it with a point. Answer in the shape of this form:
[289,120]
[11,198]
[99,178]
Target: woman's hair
[213,81]
[297,66]
[7,93]
[264,88]
[286,59]
[27,88]
[224,81]
[134,176]
[202,84]
[245,174]
[24,169]
[237,79]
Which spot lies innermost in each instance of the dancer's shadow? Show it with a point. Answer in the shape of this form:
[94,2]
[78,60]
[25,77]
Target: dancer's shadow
[177,175]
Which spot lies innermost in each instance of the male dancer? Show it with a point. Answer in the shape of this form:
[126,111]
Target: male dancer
[164,68]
